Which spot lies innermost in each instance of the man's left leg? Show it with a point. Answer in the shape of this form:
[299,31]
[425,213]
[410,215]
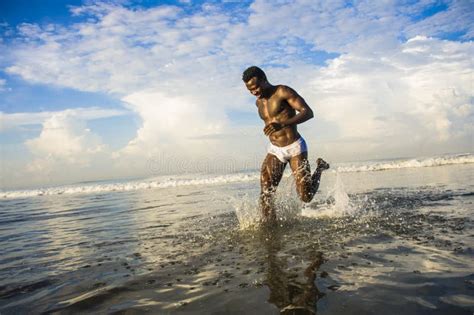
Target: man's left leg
[306,184]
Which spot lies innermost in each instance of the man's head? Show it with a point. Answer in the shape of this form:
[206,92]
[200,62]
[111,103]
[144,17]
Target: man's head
[255,80]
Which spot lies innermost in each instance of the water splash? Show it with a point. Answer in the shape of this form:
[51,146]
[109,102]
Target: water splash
[288,207]
[247,212]
[342,204]
[286,203]
[336,204]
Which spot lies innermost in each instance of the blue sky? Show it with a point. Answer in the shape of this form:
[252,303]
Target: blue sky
[98,89]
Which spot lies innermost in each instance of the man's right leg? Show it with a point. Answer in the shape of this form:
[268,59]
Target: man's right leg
[270,176]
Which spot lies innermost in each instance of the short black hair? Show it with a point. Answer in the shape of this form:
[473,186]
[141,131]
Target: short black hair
[253,71]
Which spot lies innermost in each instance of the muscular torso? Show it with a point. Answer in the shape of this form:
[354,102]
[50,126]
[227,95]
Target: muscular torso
[276,109]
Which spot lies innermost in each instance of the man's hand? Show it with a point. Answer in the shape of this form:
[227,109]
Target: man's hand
[271,128]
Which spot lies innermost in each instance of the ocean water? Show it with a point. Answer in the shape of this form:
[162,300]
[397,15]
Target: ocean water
[386,237]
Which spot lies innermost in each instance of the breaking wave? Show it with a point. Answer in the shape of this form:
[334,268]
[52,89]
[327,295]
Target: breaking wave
[131,185]
[407,163]
[179,180]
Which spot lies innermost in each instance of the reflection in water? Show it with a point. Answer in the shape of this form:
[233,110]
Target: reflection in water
[290,295]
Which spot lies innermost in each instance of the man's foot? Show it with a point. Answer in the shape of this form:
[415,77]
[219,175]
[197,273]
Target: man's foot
[321,164]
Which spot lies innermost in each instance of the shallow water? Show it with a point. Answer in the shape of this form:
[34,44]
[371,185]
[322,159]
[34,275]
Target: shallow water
[393,241]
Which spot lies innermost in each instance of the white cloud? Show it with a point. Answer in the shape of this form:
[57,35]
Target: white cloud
[155,46]
[66,150]
[64,138]
[419,93]
[170,122]
[182,133]
[14,120]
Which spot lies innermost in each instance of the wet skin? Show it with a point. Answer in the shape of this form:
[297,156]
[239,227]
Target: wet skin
[282,109]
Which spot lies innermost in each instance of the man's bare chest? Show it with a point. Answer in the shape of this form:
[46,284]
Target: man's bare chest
[271,108]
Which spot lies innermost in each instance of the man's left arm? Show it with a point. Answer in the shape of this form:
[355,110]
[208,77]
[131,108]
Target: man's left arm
[304,112]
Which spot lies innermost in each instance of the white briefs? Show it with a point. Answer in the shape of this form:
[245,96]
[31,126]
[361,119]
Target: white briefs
[284,154]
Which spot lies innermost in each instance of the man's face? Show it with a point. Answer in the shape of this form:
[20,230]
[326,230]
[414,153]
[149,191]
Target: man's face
[254,85]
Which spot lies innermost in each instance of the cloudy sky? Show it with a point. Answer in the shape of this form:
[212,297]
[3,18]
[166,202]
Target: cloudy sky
[110,89]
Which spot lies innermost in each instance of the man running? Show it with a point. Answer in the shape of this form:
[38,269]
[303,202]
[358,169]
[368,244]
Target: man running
[282,109]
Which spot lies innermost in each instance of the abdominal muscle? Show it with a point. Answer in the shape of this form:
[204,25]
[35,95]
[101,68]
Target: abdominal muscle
[284,137]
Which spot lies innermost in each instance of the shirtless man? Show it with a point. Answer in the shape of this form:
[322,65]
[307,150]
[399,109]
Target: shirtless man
[278,106]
